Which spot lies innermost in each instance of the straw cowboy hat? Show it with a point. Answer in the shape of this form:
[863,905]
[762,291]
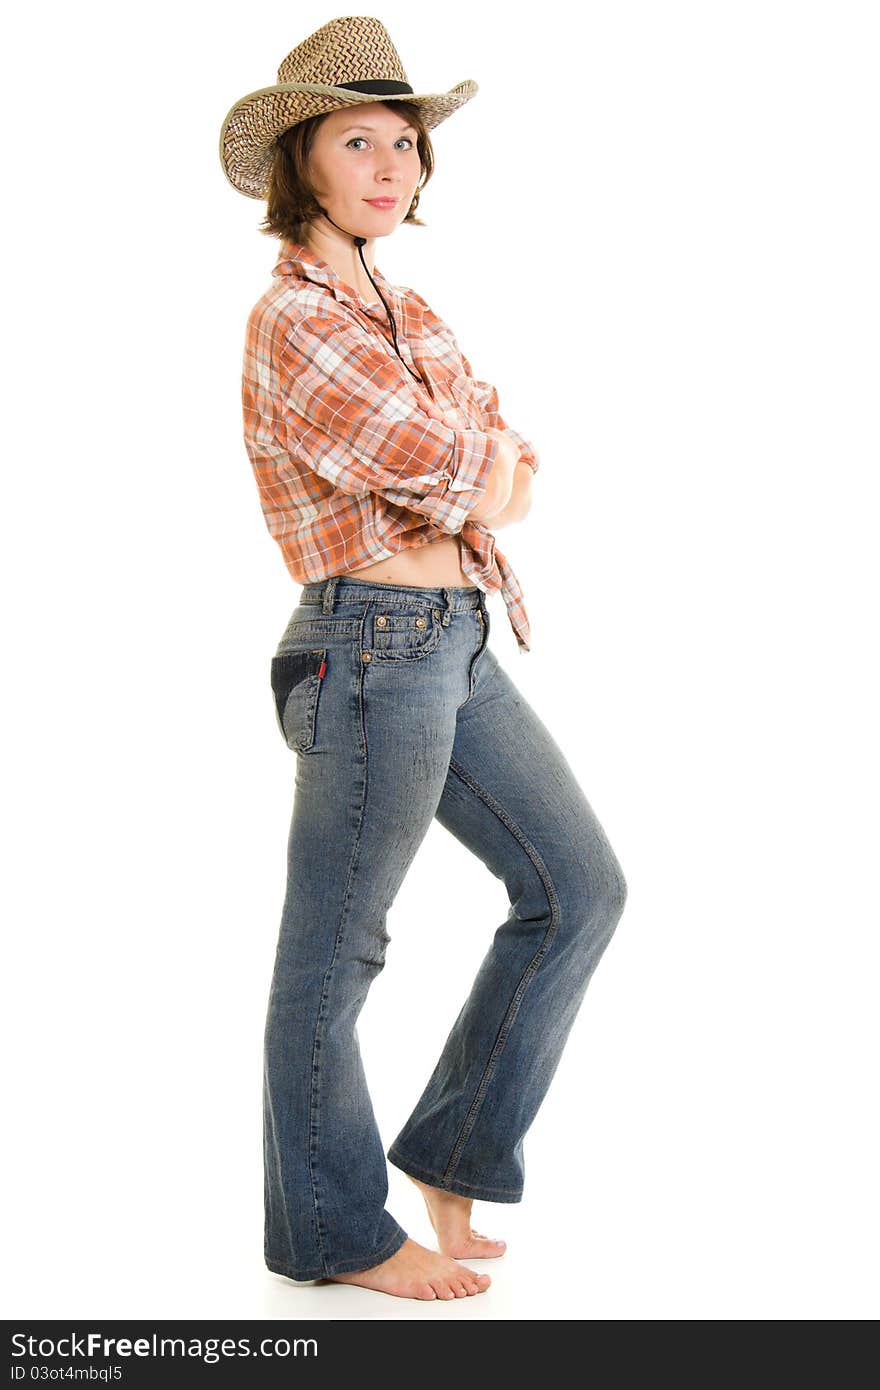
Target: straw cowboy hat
[348,62]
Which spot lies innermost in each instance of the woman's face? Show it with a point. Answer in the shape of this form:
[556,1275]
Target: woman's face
[360,153]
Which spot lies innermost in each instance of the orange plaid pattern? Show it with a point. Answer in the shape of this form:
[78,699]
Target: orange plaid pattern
[349,465]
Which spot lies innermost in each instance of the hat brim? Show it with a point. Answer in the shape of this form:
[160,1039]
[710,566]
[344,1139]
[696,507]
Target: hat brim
[251,127]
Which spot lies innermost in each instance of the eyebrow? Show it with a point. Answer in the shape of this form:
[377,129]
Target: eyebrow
[372,128]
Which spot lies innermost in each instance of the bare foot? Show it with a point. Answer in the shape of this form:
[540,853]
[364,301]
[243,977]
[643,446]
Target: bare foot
[414,1271]
[451,1218]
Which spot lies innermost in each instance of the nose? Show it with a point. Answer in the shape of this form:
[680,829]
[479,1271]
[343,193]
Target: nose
[392,167]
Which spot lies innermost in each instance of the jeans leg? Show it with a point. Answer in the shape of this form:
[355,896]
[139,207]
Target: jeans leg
[366,794]
[511,797]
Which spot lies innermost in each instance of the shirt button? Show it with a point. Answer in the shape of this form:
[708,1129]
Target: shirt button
[366,656]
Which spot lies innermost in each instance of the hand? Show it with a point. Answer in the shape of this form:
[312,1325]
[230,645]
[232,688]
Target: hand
[509,451]
[519,503]
[433,409]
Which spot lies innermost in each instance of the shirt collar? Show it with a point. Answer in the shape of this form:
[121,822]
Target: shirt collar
[300,262]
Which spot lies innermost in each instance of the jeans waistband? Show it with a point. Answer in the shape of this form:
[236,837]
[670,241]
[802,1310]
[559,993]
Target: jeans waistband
[341,589]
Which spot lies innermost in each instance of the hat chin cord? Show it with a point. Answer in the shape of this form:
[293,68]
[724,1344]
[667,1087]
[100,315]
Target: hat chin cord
[361,241]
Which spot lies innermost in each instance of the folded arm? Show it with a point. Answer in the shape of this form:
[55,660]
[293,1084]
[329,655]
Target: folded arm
[484,392]
[487,396]
[354,415]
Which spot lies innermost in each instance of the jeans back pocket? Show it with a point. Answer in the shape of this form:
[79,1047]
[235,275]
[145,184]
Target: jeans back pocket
[296,685]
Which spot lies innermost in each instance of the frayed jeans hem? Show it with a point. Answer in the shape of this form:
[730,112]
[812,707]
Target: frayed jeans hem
[478,1192]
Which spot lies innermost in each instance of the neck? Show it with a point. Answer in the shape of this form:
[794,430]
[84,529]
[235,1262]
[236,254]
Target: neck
[339,251]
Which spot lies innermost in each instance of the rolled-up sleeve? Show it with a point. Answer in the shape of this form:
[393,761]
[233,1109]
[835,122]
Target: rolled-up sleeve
[353,413]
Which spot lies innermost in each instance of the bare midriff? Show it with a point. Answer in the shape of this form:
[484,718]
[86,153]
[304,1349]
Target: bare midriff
[431,566]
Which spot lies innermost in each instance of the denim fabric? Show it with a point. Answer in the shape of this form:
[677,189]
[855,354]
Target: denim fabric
[398,711]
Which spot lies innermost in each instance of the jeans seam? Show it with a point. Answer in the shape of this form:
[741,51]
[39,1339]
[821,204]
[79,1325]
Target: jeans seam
[513,1008]
[314,1092]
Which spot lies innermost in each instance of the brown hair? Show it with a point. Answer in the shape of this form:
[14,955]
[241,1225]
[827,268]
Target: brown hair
[291,200]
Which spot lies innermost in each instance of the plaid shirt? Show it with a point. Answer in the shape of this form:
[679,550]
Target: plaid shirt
[349,466]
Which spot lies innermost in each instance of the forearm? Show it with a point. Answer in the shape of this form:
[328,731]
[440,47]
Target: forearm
[499,491]
[500,484]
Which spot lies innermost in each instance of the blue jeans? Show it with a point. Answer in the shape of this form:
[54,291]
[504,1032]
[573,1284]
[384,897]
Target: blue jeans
[399,712]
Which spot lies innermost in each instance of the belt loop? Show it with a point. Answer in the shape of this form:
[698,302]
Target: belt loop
[448,612]
[329,593]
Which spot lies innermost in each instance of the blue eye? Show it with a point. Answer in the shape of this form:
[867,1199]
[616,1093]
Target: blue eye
[362,138]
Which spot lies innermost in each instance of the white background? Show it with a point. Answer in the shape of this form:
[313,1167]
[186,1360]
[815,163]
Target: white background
[655,229]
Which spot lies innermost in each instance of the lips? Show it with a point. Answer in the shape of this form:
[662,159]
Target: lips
[382,202]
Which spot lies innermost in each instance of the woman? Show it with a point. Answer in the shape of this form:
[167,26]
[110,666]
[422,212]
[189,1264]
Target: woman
[383,469]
